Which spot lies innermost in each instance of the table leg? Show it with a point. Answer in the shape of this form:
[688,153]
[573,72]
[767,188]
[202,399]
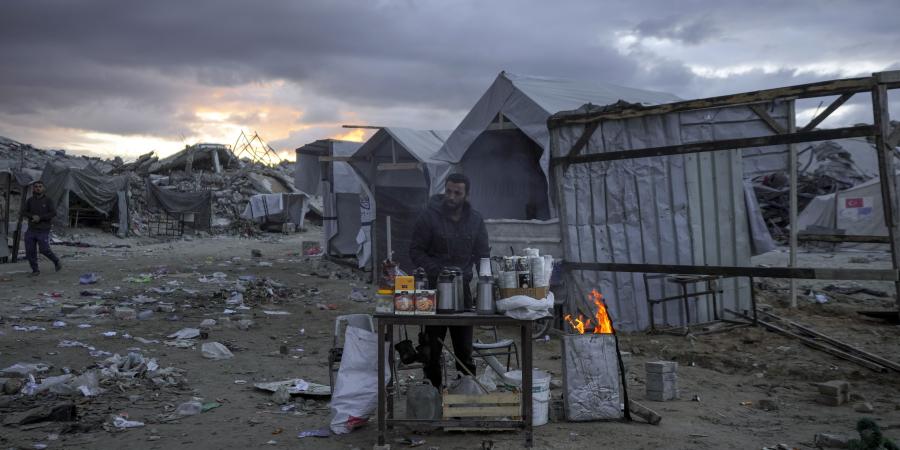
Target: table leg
[382,426]
[395,386]
[527,367]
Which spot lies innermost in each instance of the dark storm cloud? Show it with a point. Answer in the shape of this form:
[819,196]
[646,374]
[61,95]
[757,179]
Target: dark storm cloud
[131,67]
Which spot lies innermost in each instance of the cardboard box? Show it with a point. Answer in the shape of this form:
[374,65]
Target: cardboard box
[405,283]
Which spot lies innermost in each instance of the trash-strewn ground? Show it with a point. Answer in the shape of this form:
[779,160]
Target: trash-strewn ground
[722,377]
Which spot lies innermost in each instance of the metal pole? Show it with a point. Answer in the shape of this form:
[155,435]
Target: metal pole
[792,168]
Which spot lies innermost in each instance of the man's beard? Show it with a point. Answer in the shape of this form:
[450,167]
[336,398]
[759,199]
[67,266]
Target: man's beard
[449,207]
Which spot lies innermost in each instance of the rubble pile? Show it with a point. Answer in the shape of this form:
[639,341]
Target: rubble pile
[835,170]
[201,167]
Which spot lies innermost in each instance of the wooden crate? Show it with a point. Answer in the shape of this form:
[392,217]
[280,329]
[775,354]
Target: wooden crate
[489,406]
[536,293]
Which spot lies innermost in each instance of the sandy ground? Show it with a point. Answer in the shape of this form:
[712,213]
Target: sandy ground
[722,377]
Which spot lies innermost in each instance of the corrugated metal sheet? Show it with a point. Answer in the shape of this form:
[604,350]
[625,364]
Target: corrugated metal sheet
[674,210]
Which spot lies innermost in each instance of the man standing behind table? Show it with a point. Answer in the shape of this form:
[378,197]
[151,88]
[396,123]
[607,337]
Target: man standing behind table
[449,233]
[40,211]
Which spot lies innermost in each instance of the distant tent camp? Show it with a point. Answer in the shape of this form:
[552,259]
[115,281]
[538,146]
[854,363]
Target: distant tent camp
[322,169]
[397,168]
[88,193]
[857,211]
[503,144]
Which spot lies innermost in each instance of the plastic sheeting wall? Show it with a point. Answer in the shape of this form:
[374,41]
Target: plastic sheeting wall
[675,210]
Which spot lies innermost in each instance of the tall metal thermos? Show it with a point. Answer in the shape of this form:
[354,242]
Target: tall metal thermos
[485,302]
[458,286]
[446,301]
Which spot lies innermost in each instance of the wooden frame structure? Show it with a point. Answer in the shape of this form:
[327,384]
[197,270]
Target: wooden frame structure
[886,139]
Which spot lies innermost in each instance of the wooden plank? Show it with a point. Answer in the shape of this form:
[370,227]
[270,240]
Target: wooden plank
[827,112]
[482,411]
[888,76]
[333,158]
[399,166]
[840,238]
[585,137]
[501,398]
[819,89]
[775,126]
[728,144]
[368,127]
[882,122]
[738,271]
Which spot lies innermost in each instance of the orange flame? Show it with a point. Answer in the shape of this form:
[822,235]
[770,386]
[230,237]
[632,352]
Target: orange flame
[604,324]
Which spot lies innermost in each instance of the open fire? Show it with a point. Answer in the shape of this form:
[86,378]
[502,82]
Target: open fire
[591,371]
[601,320]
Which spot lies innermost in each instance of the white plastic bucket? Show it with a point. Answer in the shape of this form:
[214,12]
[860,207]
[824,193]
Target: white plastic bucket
[540,393]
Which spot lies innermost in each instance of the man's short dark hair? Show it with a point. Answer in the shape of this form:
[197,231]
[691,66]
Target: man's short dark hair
[458,178]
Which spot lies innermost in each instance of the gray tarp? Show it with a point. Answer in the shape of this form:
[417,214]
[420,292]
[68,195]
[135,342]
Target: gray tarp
[527,102]
[277,208]
[92,187]
[197,203]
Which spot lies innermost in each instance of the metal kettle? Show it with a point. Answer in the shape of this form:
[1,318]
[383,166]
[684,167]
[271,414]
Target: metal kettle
[485,302]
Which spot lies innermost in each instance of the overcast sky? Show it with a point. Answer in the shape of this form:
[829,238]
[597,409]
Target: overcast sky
[125,77]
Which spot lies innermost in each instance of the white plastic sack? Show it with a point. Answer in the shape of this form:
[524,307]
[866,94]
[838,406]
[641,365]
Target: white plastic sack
[356,386]
[522,307]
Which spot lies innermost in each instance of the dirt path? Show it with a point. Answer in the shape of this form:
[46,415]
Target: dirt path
[722,377]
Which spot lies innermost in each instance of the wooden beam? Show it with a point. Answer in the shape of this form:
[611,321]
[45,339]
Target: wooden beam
[334,158]
[368,127]
[820,89]
[827,112]
[775,126]
[399,166]
[882,120]
[841,238]
[810,273]
[729,144]
[585,137]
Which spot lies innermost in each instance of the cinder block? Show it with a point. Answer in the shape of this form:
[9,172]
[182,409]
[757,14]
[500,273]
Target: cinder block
[834,387]
[832,400]
[661,366]
[662,396]
[660,382]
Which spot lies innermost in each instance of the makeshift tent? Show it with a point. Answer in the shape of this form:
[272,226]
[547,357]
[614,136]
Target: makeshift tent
[858,211]
[663,210]
[322,170]
[277,208]
[103,194]
[193,208]
[503,143]
[397,168]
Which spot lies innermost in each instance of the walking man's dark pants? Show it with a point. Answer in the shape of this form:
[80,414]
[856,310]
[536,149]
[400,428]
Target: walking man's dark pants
[38,240]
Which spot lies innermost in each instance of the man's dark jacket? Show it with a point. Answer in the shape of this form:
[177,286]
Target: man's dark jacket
[438,241]
[42,207]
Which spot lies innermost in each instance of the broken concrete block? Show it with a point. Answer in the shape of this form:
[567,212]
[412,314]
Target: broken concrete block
[829,440]
[662,396]
[661,381]
[831,400]
[834,387]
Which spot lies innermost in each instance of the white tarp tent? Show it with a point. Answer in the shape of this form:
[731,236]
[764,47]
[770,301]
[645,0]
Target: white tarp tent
[503,143]
[857,210]
[398,172]
[322,170]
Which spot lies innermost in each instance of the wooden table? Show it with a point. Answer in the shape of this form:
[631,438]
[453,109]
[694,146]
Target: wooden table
[386,322]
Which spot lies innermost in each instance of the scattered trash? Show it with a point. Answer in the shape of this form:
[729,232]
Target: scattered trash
[319,432]
[185,333]
[359,295]
[296,386]
[210,406]
[123,423]
[88,278]
[28,328]
[25,369]
[143,299]
[84,325]
[142,278]
[236,298]
[281,396]
[276,313]
[208,323]
[109,333]
[215,350]
[410,441]
[264,264]
[190,408]
[180,343]
[58,324]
